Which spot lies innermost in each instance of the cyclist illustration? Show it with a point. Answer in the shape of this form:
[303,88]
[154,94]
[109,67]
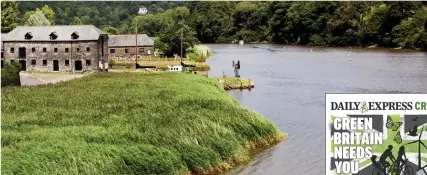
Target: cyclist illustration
[400,161]
[387,154]
[377,164]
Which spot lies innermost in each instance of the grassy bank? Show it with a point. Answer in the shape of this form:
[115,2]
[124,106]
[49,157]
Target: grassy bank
[159,64]
[128,123]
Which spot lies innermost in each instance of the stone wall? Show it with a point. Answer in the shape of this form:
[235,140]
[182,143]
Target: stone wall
[129,52]
[84,51]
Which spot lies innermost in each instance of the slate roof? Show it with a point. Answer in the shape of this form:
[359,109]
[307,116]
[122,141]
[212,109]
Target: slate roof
[41,33]
[129,40]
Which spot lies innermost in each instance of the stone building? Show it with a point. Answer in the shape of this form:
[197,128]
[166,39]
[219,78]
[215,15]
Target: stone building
[3,35]
[65,48]
[124,46]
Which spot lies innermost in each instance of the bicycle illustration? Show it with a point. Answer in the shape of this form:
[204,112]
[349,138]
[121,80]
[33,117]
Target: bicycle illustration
[404,168]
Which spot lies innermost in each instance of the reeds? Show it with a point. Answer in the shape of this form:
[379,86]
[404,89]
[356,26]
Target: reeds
[128,123]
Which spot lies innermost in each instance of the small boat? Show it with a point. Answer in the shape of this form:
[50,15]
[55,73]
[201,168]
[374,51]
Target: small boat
[241,42]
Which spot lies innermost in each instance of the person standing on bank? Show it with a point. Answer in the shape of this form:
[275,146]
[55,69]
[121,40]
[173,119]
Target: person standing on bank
[237,68]
[234,67]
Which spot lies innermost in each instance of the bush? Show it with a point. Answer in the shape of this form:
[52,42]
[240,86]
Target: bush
[114,64]
[223,39]
[111,63]
[249,35]
[10,74]
[317,40]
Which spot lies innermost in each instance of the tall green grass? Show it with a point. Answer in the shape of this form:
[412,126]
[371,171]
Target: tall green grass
[199,53]
[128,123]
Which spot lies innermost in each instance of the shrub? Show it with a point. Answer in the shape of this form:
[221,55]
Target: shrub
[249,35]
[10,74]
[317,40]
[111,63]
[162,67]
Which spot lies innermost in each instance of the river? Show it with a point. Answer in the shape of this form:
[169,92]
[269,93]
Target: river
[290,87]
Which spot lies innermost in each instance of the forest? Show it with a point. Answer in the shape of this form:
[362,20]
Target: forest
[384,24]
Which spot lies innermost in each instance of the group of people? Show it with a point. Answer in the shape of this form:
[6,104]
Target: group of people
[236,67]
[382,164]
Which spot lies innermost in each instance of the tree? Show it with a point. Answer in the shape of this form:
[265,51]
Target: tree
[76,21]
[179,14]
[169,40]
[150,24]
[110,30]
[212,20]
[344,27]
[277,22]
[398,12]
[371,24]
[27,15]
[37,19]
[49,14]
[251,20]
[9,15]
[411,32]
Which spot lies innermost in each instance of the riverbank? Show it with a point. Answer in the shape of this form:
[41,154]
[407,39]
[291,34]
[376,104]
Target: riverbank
[362,48]
[129,123]
[235,83]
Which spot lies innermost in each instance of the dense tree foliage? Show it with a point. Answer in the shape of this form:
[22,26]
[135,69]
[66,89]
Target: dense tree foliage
[37,19]
[334,23]
[9,12]
[169,39]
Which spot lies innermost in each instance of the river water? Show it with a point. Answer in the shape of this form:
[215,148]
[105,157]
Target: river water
[290,87]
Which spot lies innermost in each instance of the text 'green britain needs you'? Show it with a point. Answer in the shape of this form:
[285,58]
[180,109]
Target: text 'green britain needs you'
[368,106]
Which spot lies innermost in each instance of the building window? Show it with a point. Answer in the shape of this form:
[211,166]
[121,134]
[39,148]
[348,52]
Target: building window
[2,63]
[44,62]
[28,36]
[66,50]
[67,62]
[112,50]
[87,62]
[53,36]
[12,61]
[141,50]
[44,49]
[74,35]
[87,49]
[55,49]
[78,49]
[33,49]
[126,50]
[12,50]
[33,62]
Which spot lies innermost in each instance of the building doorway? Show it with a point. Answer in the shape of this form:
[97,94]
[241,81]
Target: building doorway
[23,65]
[55,65]
[78,65]
[22,52]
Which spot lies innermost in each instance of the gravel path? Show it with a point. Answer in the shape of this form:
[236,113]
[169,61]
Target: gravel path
[26,80]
